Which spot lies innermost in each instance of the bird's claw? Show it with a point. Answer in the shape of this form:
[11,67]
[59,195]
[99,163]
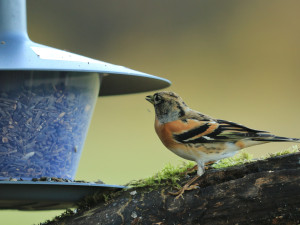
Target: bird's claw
[209,164]
[180,191]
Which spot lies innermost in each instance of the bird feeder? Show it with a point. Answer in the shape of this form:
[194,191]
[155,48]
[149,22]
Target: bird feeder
[47,97]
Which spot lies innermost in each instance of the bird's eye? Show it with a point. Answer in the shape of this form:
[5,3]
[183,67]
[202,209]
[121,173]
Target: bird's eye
[157,99]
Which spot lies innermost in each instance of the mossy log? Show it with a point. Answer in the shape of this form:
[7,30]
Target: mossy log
[262,192]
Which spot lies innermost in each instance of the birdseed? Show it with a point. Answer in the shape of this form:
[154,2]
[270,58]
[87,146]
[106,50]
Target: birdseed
[43,124]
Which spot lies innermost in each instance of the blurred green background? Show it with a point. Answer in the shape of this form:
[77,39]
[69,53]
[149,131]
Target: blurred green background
[233,60]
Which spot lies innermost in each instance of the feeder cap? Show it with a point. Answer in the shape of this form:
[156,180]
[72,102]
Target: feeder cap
[19,53]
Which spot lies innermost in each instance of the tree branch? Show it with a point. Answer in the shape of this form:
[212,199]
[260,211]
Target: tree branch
[262,192]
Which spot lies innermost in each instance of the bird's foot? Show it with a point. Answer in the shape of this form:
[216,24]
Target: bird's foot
[209,164]
[180,192]
[187,187]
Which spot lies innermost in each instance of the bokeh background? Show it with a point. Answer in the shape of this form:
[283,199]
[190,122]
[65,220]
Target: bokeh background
[234,60]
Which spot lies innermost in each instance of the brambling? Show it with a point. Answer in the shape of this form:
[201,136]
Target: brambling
[201,138]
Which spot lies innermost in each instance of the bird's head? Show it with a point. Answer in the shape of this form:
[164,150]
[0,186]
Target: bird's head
[168,106]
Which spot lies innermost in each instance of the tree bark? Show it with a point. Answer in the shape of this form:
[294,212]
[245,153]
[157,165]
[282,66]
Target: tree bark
[262,192]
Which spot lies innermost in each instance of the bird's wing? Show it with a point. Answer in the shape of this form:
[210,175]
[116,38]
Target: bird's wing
[215,131]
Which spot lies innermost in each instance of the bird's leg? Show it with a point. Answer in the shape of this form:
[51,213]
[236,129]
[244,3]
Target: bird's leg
[194,168]
[188,186]
[190,170]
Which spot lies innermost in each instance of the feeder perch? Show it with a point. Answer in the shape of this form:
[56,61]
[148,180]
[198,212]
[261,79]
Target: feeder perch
[47,97]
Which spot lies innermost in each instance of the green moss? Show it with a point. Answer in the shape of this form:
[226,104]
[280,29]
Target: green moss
[244,157]
[292,149]
[169,175]
[240,158]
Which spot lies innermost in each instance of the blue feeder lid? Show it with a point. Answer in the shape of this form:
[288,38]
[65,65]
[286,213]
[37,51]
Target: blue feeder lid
[18,52]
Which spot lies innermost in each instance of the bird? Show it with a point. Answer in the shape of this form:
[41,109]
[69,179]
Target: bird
[195,136]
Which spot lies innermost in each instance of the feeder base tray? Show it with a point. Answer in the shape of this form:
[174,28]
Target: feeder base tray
[43,195]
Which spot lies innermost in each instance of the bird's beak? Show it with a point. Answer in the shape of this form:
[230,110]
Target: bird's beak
[149,98]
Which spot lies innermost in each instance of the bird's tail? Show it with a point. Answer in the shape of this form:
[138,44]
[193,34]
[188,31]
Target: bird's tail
[273,138]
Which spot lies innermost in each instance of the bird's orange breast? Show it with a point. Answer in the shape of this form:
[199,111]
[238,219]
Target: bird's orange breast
[166,131]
